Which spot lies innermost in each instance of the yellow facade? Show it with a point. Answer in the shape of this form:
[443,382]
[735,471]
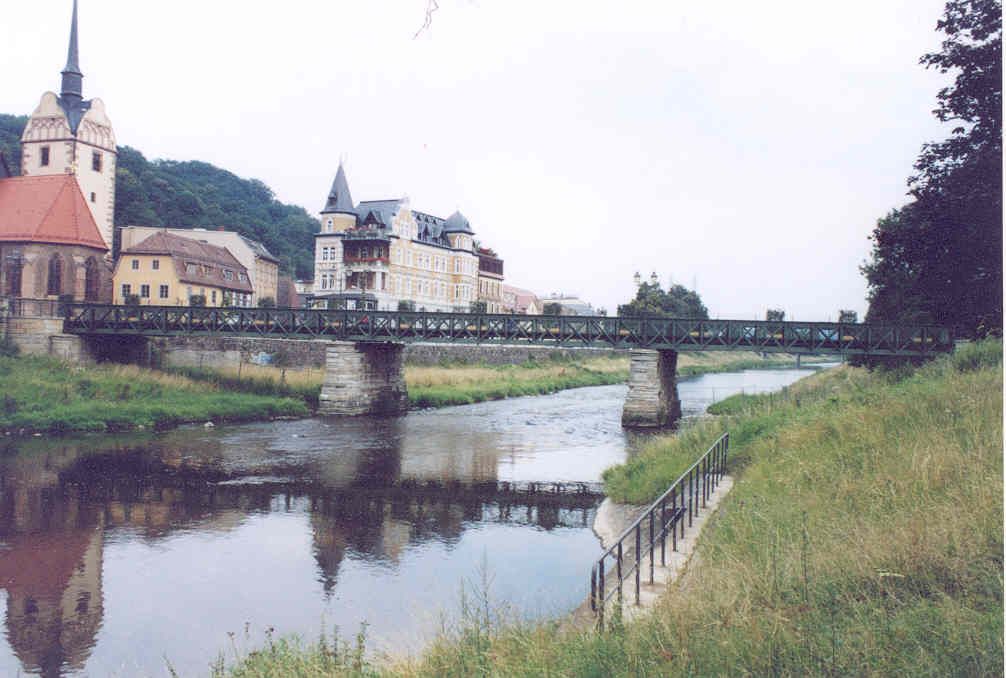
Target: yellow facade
[154,279]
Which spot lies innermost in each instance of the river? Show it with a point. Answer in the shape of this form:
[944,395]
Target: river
[119,554]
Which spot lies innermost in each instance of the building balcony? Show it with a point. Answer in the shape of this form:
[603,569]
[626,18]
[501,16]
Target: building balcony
[365,260]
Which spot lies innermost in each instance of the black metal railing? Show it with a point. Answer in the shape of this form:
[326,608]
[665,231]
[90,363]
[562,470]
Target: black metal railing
[677,334]
[668,515]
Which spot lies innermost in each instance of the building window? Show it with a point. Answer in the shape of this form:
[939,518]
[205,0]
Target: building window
[96,161]
[163,291]
[144,291]
[43,158]
[94,197]
[126,290]
[213,296]
[136,264]
[228,274]
[55,286]
[155,264]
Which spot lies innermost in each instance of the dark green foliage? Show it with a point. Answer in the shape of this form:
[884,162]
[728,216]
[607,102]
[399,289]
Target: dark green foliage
[676,302]
[199,195]
[8,348]
[267,302]
[939,258]
[11,127]
[477,307]
[197,300]
[775,315]
[132,300]
[552,308]
[847,316]
[406,305]
[196,195]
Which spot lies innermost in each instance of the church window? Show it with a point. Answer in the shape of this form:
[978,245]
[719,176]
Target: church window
[96,161]
[144,291]
[156,264]
[135,264]
[55,284]
[163,291]
[43,158]
[94,197]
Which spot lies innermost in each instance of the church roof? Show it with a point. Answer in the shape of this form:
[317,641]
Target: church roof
[339,199]
[47,209]
[71,98]
[195,261]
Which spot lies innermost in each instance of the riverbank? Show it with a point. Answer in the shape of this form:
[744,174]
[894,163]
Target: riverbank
[41,395]
[863,535]
[464,384]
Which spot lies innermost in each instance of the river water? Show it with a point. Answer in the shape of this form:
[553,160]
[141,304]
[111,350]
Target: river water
[121,554]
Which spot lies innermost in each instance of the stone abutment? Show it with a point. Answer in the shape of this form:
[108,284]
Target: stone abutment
[363,378]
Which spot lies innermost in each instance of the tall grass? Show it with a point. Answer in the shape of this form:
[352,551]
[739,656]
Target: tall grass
[863,536]
[44,395]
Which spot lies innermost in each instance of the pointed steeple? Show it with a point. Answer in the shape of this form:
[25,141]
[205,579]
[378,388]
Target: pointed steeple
[339,199]
[72,90]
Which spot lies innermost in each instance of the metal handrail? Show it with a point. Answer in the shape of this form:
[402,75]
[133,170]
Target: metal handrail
[693,486]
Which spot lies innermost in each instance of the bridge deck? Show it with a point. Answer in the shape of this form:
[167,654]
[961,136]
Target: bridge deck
[601,331]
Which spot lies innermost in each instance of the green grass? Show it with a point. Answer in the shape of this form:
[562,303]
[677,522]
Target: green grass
[44,395]
[863,536]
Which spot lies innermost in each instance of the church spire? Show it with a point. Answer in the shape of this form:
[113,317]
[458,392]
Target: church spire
[72,77]
[339,199]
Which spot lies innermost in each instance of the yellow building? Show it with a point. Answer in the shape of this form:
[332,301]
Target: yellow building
[380,253]
[169,270]
[262,266]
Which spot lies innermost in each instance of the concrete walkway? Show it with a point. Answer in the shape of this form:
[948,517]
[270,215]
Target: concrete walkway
[612,519]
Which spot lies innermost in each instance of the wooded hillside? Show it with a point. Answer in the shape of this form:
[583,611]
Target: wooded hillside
[197,194]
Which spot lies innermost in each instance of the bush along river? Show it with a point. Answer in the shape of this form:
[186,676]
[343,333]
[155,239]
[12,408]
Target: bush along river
[121,554]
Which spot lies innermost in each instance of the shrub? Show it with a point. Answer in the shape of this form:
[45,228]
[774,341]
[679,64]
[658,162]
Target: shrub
[267,302]
[197,300]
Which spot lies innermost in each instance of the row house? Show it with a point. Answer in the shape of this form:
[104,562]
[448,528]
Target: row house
[381,254]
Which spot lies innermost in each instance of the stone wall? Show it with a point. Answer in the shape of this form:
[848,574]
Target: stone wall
[224,352]
[44,336]
[496,354]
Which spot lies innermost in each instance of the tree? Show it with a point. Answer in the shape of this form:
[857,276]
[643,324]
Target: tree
[939,258]
[847,316]
[552,308]
[267,302]
[477,307]
[677,302]
[775,315]
[406,305]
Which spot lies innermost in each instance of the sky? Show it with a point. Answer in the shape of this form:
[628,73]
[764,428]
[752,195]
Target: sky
[745,149]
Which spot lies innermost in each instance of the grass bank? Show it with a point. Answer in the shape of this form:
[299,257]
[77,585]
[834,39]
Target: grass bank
[863,536]
[45,395]
[463,384]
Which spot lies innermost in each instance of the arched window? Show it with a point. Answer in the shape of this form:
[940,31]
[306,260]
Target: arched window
[14,264]
[92,280]
[55,285]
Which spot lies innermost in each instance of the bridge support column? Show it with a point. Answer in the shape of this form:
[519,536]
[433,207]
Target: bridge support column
[363,378]
[653,389]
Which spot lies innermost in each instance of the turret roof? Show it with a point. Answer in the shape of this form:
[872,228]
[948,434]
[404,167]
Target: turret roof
[457,223]
[339,199]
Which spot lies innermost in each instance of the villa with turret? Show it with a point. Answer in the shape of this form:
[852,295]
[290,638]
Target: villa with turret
[378,254]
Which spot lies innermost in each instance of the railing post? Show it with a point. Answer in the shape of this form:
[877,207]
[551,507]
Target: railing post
[691,497]
[638,549]
[618,571]
[674,520]
[663,531]
[600,616]
[651,546]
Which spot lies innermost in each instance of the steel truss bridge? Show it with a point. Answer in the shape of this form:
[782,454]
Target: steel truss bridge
[595,331]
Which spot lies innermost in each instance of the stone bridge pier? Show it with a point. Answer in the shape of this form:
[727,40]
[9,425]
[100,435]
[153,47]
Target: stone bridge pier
[364,378]
[653,389]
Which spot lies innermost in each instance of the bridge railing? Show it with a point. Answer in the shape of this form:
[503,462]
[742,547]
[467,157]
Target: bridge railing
[678,505]
[614,332]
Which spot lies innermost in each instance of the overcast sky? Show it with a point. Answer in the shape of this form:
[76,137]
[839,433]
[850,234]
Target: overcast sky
[744,147]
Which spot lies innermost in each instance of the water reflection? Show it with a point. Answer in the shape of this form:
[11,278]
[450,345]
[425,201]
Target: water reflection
[109,547]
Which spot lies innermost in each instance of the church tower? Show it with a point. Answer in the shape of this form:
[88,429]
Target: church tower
[70,135]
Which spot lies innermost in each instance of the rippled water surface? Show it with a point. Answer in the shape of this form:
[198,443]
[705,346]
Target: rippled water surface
[119,552]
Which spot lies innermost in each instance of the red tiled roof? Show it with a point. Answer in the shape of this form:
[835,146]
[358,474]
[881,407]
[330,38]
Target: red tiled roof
[195,261]
[48,209]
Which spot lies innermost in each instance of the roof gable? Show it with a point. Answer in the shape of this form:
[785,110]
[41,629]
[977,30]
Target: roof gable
[195,261]
[47,209]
